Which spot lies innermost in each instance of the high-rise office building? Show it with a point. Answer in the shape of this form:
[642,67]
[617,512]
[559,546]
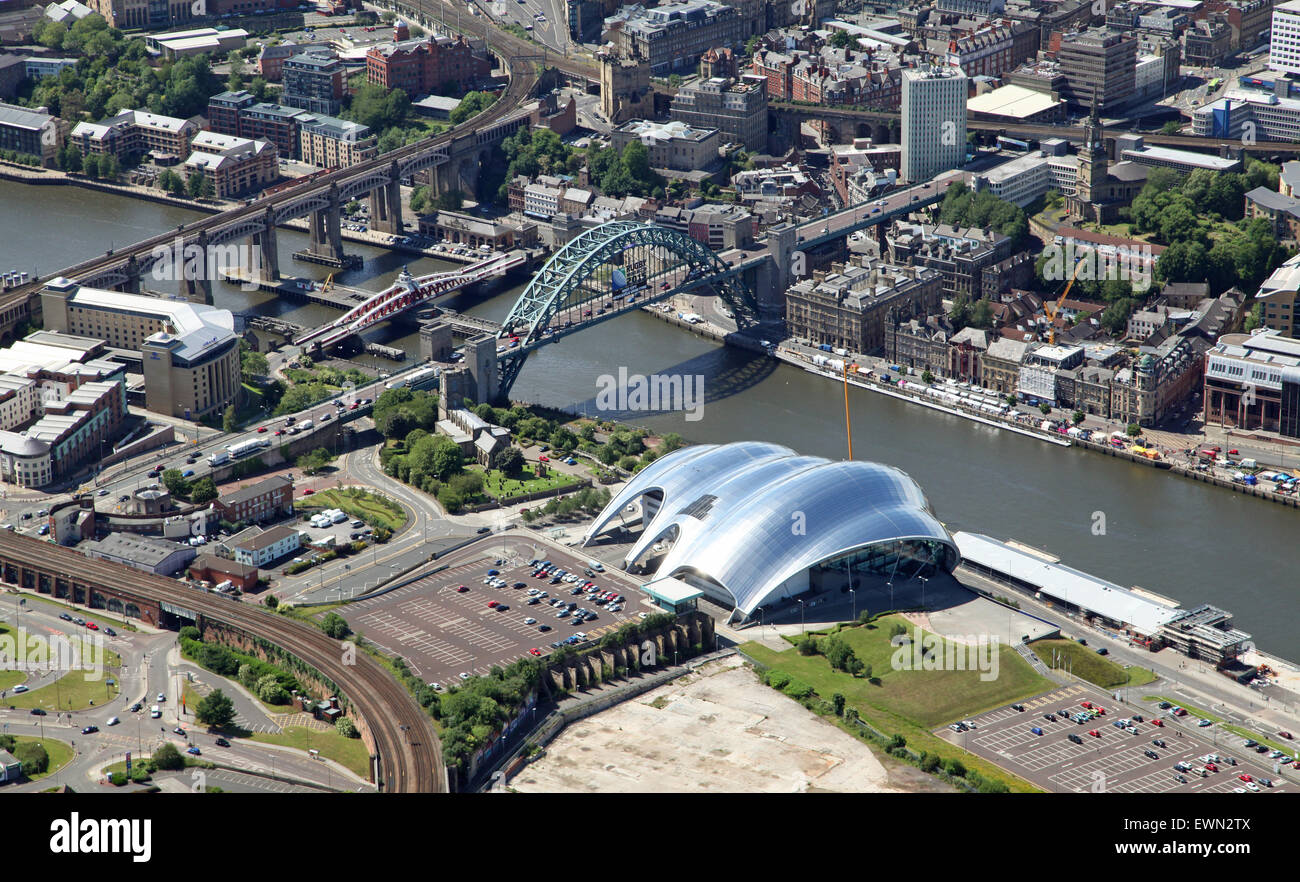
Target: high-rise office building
[1284,38]
[934,121]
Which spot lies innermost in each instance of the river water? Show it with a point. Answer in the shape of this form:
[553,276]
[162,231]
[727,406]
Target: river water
[1183,539]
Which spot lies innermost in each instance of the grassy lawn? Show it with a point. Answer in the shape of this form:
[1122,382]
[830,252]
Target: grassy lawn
[1085,663]
[510,487]
[73,691]
[375,510]
[909,702]
[349,752]
[60,753]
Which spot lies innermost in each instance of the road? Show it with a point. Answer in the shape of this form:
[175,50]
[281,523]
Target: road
[150,665]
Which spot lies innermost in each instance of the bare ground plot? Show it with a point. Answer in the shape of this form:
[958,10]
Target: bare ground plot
[718,730]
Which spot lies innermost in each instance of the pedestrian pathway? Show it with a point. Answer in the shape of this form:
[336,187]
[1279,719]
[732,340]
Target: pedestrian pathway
[301,719]
[1032,657]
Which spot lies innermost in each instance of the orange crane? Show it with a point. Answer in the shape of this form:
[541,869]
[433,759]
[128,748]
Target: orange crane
[1051,310]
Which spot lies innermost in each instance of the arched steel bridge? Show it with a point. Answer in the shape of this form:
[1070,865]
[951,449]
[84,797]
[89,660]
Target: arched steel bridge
[605,272]
[406,292]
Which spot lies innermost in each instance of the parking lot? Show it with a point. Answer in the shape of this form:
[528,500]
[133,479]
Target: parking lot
[1115,760]
[442,631]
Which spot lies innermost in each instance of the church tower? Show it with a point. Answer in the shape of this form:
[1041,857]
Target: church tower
[1093,161]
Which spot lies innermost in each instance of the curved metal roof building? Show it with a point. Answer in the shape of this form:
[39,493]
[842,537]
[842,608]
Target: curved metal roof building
[748,517]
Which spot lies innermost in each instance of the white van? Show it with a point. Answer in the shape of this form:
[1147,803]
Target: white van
[155,712]
[596,565]
[339,517]
[306,425]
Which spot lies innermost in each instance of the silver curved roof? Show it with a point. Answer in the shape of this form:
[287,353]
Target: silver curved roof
[769,519]
[674,475]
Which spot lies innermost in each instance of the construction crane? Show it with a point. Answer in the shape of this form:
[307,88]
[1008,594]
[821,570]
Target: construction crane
[329,283]
[1055,307]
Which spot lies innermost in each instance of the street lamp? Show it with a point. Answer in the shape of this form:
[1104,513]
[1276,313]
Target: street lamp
[854,595]
[924,582]
[802,606]
[891,594]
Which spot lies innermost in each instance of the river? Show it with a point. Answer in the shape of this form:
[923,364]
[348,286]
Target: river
[1183,539]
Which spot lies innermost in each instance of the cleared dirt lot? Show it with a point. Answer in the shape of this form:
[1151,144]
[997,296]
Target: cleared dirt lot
[718,730]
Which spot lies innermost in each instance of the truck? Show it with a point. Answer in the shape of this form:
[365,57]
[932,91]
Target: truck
[421,376]
[219,458]
[243,448]
[826,347]
[819,360]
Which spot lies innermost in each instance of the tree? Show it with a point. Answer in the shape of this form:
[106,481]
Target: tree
[452,200]
[927,377]
[168,758]
[335,626]
[347,728]
[509,461]
[1133,430]
[33,756]
[253,364]
[1077,417]
[228,422]
[314,462]
[1045,409]
[838,701]
[194,183]
[203,491]
[471,105]
[215,709]
[176,484]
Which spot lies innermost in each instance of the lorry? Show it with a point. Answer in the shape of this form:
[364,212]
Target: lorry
[219,458]
[826,347]
[243,448]
[421,376]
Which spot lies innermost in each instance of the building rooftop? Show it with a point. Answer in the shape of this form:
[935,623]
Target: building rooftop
[1012,101]
[252,491]
[21,117]
[147,551]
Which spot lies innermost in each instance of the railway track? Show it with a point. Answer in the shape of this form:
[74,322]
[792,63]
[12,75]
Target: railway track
[410,755]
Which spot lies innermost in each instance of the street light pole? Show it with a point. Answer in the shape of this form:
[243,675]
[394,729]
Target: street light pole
[802,606]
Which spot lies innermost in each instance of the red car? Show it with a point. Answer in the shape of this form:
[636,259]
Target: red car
[1100,710]
[308,492]
[1158,722]
[492,604]
[534,651]
[354,406]
[544,458]
[1233,453]
[279,431]
[461,589]
[261,429]
[1094,733]
[92,626]
[1211,767]
[1246,778]
[1287,735]
[1087,704]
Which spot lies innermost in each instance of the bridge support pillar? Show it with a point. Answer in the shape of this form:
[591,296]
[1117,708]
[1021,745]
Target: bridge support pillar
[778,273]
[268,256]
[327,229]
[386,204]
[132,283]
[196,286]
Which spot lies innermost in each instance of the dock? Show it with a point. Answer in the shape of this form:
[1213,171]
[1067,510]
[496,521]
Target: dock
[339,296]
[347,261]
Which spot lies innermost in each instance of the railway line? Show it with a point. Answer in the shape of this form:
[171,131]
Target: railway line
[522,80]
[408,750]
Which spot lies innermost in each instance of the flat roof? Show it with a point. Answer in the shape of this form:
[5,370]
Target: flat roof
[1187,157]
[1067,584]
[671,590]
[1013,101]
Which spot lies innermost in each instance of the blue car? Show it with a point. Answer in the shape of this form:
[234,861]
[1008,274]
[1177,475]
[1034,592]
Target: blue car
[188,473]
[570,461]
[194,750]
[494,572]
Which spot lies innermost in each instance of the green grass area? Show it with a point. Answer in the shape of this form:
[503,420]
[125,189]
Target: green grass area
[59,752]
[1090,666]
[74,690]
[911,703]
[348,752]
[512,487]
[377,511]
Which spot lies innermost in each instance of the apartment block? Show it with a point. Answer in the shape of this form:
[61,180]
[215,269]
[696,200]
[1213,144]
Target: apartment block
[672,145]
[934,122]
[421,66]
[674,35]
[736,109]
[329,142]
[234,165]
[136,132]
[847,307]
